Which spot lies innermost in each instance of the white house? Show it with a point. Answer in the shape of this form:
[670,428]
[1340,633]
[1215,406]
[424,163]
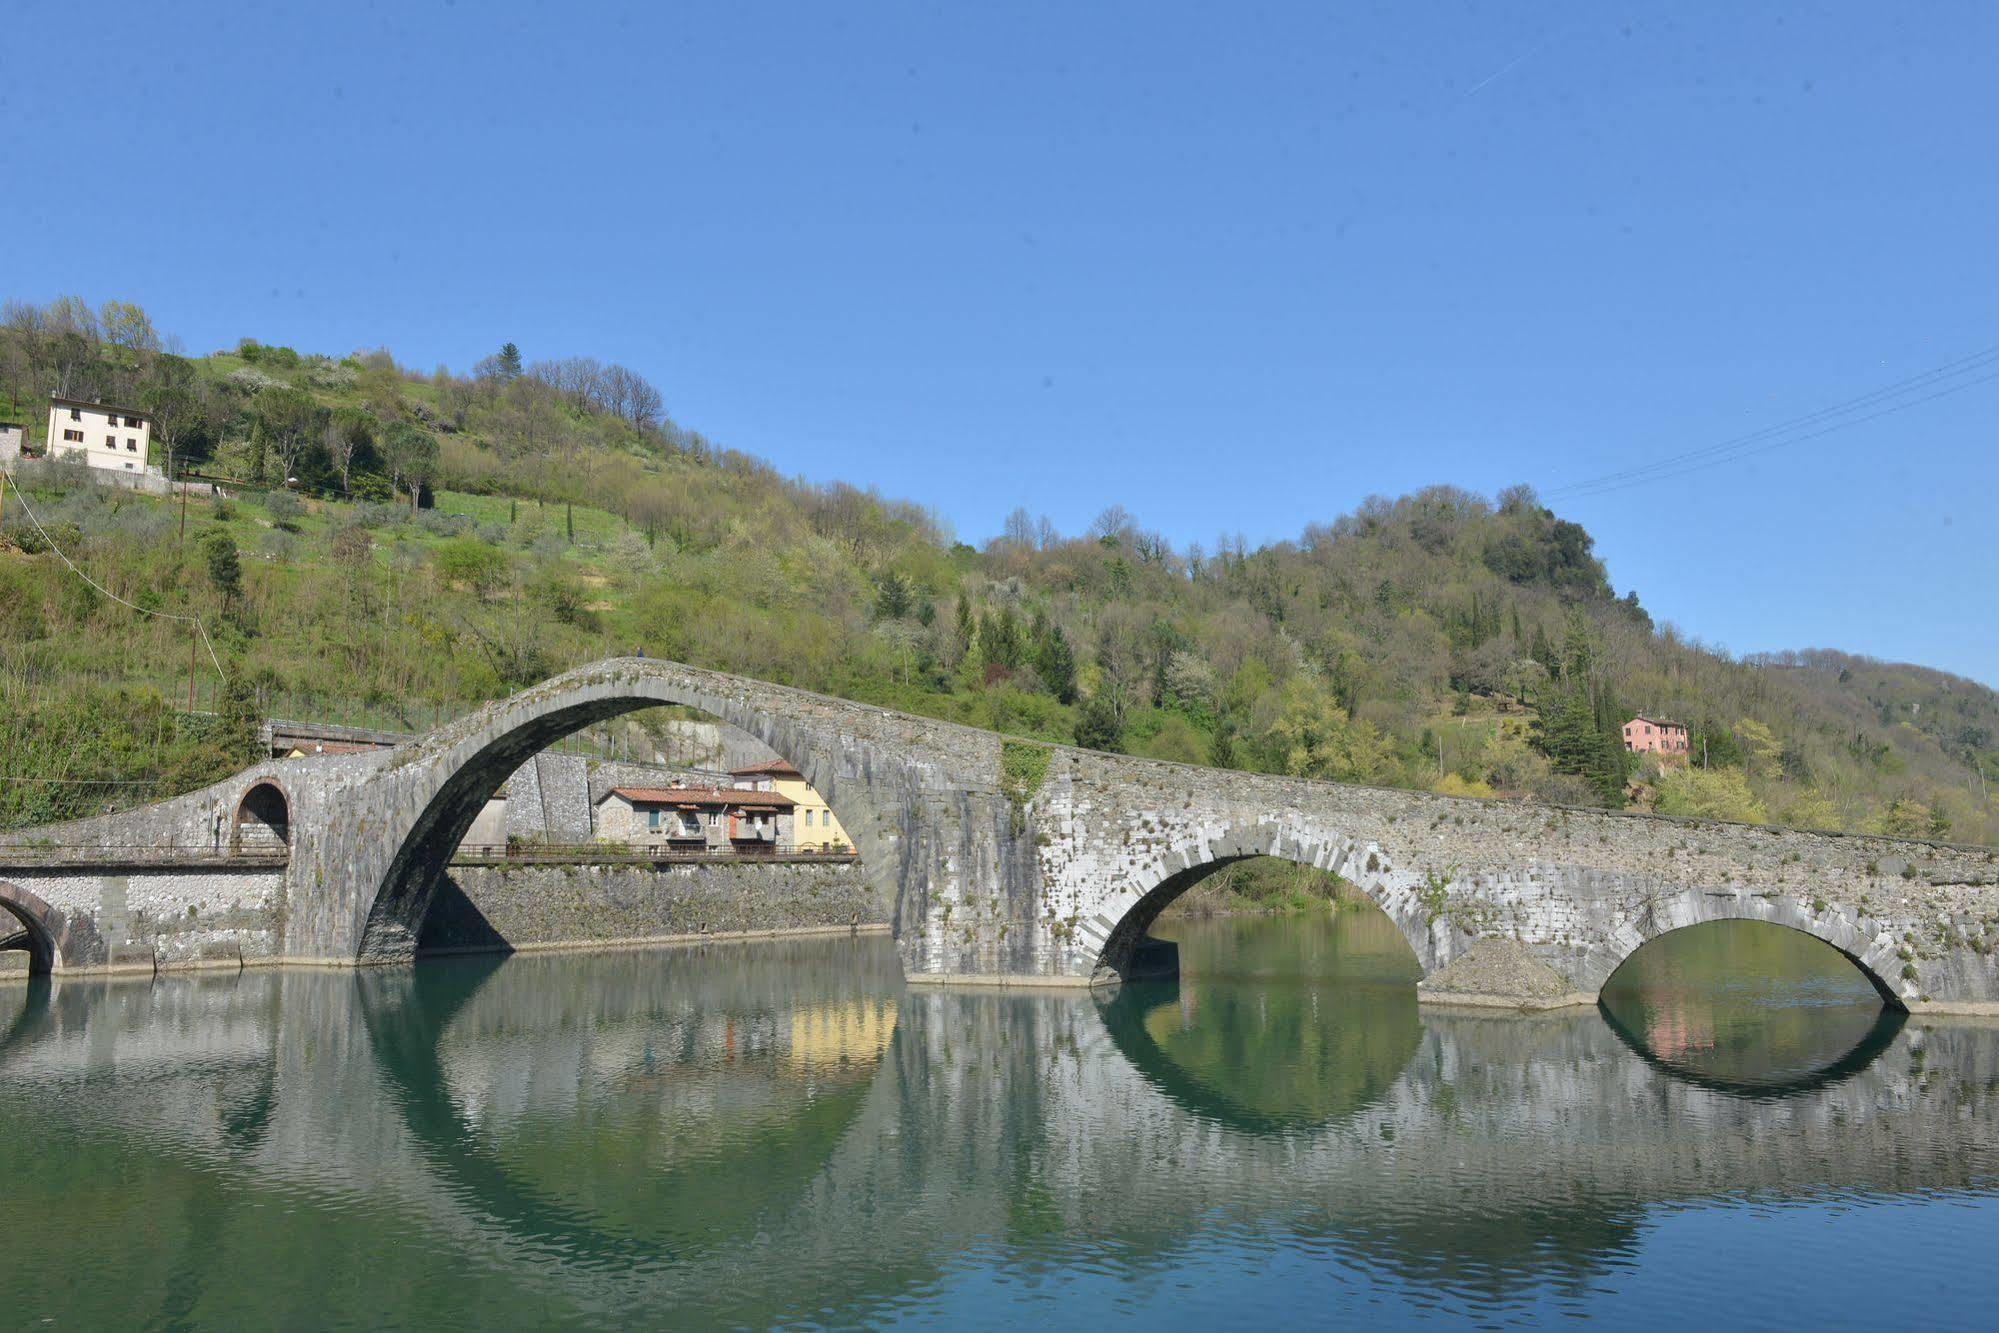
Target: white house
[107,437]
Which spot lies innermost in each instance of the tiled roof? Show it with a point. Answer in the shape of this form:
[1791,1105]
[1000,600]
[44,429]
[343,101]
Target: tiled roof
[1655,721]
[777,768]
[700,796]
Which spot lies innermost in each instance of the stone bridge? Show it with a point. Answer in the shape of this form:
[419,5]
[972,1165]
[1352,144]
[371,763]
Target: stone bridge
[998,860]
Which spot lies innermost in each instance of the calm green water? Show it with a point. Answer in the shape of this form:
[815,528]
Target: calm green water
[784,1134]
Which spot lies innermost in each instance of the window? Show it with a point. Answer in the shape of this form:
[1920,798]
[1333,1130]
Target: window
[75,436]
[111,442]
[75,415]
[128,467]
[131,446]
[652,819]
[133,422]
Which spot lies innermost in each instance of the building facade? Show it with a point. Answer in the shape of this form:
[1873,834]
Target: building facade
[1653,735]
[103,435]
[812,818]
[696,819]
[13,442]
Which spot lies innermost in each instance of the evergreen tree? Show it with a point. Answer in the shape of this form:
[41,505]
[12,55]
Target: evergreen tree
[510,363]
[225,569]
[1222,747]
[962,631]
[1055,661]
[1097,726]
[999,639]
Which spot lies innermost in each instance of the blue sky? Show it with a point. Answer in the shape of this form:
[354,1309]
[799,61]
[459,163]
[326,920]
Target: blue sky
[1234,268]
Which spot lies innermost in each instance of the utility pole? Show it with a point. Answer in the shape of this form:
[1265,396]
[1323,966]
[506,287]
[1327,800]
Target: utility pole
[183,498]
[193,634]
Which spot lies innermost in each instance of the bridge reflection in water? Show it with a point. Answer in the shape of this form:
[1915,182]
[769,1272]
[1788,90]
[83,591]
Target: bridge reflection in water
[755,1133]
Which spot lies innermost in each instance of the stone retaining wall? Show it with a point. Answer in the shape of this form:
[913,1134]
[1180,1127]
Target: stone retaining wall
[524,906]
[142,919]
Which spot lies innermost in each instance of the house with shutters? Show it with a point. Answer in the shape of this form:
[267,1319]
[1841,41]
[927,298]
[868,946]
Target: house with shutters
[1655,735]
[685,818]
[104,436]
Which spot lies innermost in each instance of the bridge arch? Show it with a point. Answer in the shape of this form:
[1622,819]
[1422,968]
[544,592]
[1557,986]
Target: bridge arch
[40,929]
[1122,921]
[263,817]
[464,764]
[1874,957]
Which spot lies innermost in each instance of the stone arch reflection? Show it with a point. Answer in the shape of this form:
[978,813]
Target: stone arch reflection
[712,1084]
[1275,1026]
[1747,1008]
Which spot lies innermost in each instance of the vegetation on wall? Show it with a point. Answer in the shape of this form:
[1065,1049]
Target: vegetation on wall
[401,546]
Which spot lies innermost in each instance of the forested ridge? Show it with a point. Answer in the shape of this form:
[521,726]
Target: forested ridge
[400,546]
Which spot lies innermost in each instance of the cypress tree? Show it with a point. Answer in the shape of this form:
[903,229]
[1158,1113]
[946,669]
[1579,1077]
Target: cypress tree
[1056,663]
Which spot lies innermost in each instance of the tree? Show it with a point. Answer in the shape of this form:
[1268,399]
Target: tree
[894,598]
[1099,726]
[1055,663]
[225,568]
[510,363]
[410,454]
[291,422]
[175,412]
[962,631]
[1696,793]
[346,431]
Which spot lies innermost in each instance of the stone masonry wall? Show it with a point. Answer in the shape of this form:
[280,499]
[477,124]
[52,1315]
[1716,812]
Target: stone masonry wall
[517,906]
[142,918]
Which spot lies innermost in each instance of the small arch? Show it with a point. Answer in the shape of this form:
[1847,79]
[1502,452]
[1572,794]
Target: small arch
[40,929]
[1126,952]
[263,819]
[1694,908]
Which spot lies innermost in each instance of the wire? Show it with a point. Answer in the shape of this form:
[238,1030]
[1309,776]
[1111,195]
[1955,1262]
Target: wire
[1585,490]
[200,628]
[1768,437]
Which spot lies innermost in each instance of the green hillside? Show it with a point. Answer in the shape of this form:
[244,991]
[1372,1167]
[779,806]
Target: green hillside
[1439,640]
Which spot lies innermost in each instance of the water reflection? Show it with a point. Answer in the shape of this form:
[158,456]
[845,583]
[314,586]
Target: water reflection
[1749,1008]
[761,1134]
[1275,1025]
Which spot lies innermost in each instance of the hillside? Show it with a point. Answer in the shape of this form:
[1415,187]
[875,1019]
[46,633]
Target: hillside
[449,538]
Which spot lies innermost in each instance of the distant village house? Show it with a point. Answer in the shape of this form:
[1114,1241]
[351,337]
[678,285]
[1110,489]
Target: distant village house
[1652,735]
[107,437]
[696,819]
[815,829]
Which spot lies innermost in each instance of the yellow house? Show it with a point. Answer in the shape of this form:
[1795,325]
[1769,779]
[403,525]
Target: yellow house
[813,828]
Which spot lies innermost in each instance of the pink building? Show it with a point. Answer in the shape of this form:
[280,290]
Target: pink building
[1653,735]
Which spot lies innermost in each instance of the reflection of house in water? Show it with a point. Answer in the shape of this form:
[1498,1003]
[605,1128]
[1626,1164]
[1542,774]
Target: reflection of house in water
[1676,1030]
[849,1034]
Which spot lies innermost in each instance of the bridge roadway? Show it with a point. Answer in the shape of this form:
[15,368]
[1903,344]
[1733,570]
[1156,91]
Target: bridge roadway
[1495,1151]
[1049,876]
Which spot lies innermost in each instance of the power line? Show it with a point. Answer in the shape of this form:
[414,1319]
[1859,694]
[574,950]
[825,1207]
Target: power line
[1587,491]
[200,628]
[1784,432]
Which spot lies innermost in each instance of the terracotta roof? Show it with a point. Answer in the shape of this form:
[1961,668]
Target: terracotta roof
[702,796]
[1655,721]
[775,768]
[99,407]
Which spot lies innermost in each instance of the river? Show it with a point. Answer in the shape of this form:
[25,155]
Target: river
[782,1133]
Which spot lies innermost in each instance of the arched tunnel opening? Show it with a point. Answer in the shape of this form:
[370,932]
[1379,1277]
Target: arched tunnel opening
[1750,1007]
[263,819]
[27,946]
[627,821]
